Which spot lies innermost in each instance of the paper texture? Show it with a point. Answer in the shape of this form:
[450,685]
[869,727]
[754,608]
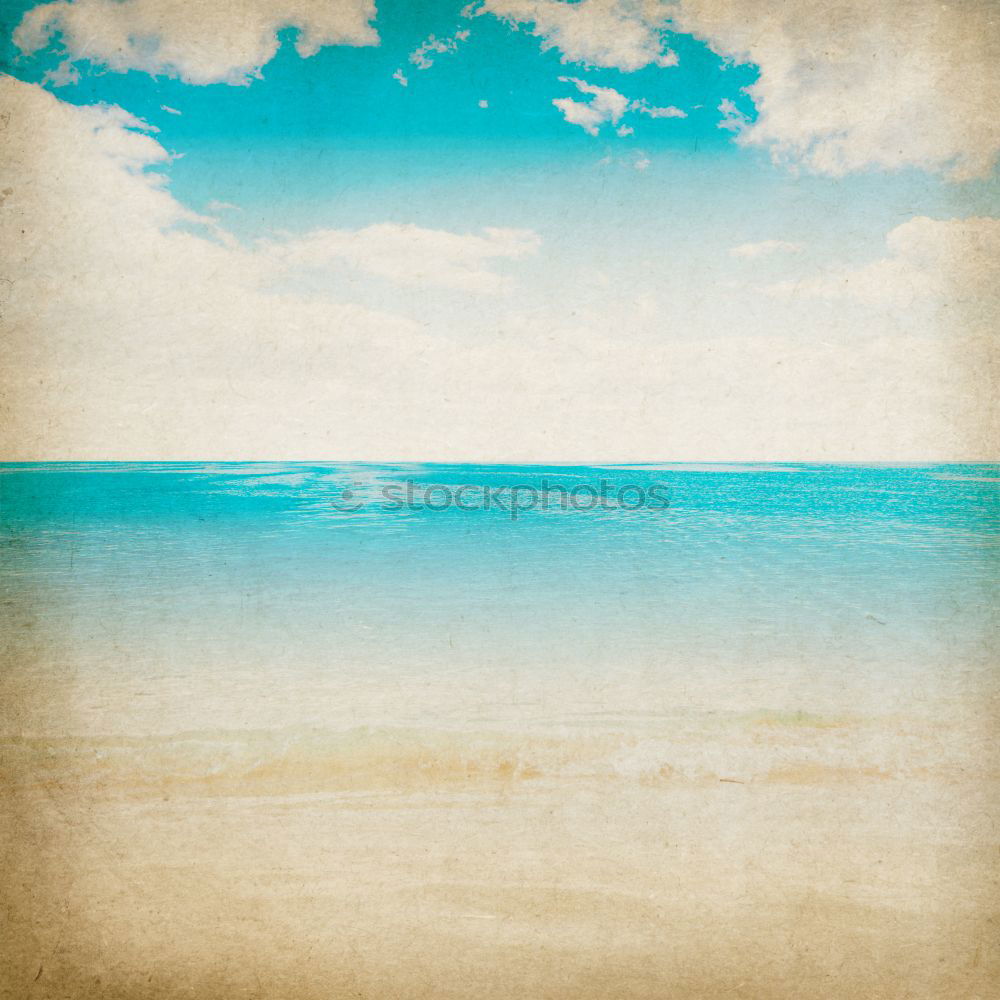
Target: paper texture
[499,499]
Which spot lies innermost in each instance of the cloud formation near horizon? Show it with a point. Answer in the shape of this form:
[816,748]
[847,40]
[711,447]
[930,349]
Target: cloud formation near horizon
[950,263]
[408,254]
[765,248]
[137,327]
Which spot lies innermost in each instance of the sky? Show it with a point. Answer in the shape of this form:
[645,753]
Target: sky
[502,231]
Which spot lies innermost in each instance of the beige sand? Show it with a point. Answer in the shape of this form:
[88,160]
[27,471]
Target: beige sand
[752,855]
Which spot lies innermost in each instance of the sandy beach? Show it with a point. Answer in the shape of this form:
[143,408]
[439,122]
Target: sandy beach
[750,855]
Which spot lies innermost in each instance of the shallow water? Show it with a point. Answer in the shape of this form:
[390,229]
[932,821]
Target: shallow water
[224,614]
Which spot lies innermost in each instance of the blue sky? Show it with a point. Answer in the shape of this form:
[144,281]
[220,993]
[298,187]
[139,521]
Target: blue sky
[335,140]
[662,223]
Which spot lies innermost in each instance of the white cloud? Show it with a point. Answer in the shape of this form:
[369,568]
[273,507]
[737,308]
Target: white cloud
[63,75]
[400,76]
[408,254]
[605,105]
[733,120]
[133,328]
[578,113]
[209,42]
[843,86]
[766,247]
[119,304]
[945,264]
[643,107]
[484,104]
[423,56]
[169,110]
[854,84]
[619,34]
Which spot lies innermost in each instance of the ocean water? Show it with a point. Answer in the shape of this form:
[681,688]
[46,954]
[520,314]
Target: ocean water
[290,619]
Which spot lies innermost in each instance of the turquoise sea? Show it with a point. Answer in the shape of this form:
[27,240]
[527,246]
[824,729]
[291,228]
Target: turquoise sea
[860,570]
[151,600]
